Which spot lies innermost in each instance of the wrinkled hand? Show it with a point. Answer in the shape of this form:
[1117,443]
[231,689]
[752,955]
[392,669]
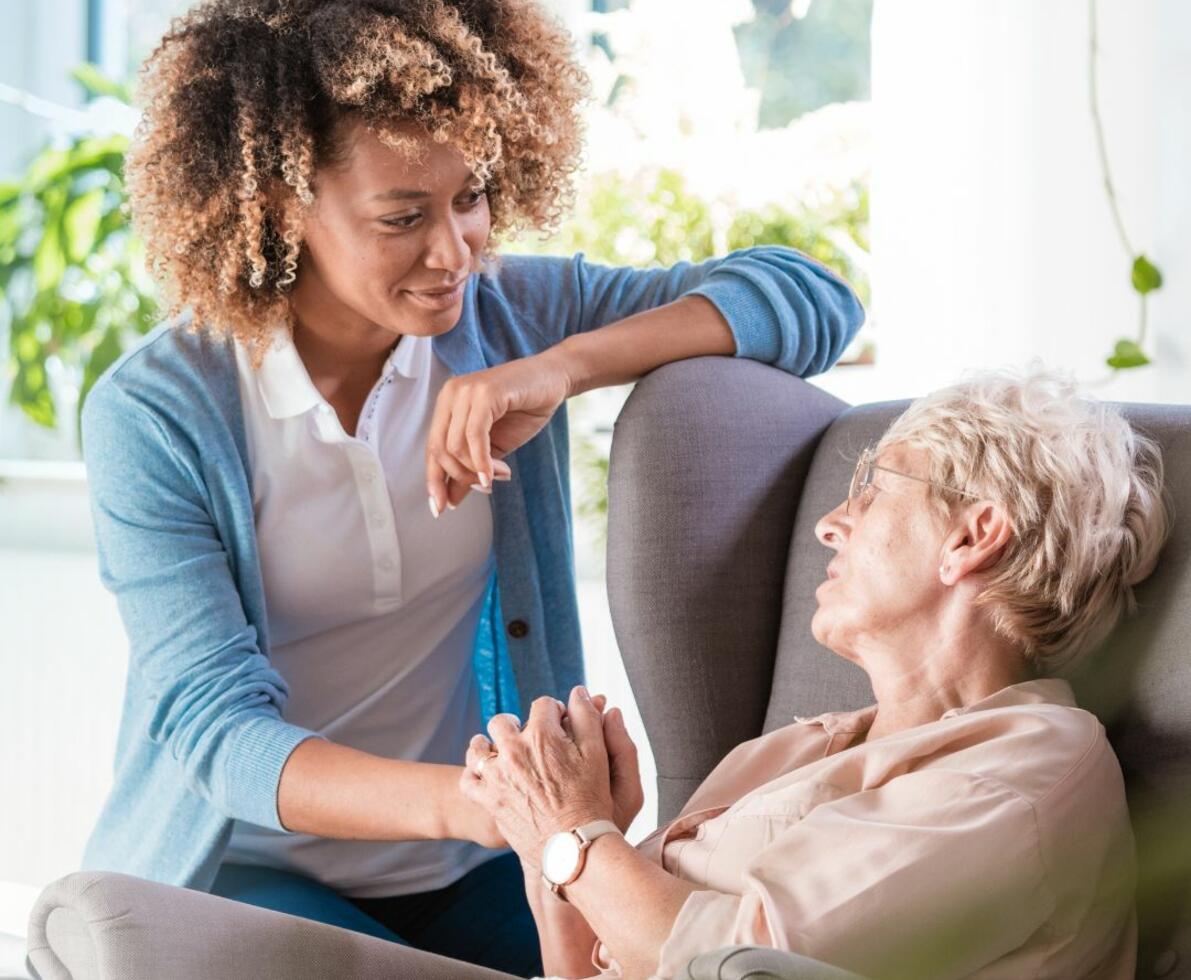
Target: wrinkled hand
[544,778]
[480,418]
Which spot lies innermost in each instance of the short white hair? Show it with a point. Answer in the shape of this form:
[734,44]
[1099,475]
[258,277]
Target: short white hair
[1082,489]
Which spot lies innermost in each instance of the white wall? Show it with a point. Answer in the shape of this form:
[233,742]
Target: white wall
[992,238]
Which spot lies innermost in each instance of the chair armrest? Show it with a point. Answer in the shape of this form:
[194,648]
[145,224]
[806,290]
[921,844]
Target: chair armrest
[761,963]
[106,926]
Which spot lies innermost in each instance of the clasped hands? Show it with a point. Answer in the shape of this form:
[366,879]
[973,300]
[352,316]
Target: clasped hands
[569,765]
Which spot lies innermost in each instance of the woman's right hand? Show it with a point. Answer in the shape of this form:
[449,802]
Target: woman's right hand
[469,821]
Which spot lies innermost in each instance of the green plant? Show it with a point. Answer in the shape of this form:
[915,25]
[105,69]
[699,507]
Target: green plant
[73,286]
[1143,275]
[654,219]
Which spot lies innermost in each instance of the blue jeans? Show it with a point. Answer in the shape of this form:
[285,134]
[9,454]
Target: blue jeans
[482,918]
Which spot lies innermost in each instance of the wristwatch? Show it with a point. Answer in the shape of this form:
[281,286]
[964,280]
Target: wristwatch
[564,853]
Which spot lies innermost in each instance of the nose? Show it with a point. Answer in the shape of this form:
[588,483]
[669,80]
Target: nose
[833,528]
[447,248]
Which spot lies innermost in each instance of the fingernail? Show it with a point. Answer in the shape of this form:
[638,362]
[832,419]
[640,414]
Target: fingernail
[583,693]
[480,489]
[484,481]
[504,477]
[450,506]
[434,508]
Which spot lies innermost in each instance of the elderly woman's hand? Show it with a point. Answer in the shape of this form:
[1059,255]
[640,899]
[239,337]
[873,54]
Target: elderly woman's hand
[549,776]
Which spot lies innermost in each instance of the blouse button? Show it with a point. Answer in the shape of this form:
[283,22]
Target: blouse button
[518,628]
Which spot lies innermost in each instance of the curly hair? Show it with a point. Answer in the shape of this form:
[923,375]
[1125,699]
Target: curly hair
[1083,490]
[243,101]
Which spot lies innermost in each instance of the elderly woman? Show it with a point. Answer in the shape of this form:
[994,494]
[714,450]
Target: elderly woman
[972,822]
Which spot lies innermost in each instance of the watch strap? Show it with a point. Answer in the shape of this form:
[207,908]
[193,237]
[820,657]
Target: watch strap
[597,828]
[586,833]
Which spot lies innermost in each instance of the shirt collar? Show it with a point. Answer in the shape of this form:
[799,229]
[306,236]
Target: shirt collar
[1046,690]
[285,383]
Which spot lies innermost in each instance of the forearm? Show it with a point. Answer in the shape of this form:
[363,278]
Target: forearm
[629,349]
[629,901]
[567,940]
[335,791]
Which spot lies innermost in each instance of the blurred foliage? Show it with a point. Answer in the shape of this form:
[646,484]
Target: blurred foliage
[654,219]
[802,63]
[73,289]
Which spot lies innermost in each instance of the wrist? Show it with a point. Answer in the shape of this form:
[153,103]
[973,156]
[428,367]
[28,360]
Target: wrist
[567,357]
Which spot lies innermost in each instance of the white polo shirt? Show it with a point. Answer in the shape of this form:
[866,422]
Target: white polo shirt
[372,604]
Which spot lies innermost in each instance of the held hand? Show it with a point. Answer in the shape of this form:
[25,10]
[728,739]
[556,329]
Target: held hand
[482,417]
[624,770]
[623,766]
[541,780]
[464,820]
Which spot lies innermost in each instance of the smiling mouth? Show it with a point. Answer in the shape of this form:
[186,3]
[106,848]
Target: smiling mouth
[438,299]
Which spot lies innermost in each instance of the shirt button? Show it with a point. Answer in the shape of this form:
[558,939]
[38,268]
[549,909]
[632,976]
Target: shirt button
[518,628]
[386,564]
[325,409]
[378,519]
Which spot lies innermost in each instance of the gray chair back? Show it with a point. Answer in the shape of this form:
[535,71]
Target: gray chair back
[720,469]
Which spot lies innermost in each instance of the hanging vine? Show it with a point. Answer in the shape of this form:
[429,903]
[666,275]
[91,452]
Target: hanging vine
[1145,277]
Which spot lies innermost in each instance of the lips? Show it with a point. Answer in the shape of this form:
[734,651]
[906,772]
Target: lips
[439,298]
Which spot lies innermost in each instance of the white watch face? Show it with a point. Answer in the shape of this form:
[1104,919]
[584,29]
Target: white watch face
[560,858]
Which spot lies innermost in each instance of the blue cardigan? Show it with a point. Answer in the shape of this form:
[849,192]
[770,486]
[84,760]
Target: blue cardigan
[203,737]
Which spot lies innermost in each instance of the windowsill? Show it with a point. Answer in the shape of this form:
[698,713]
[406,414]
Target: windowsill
[42,471]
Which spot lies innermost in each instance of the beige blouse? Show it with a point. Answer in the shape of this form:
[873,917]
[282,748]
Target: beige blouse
[992,843]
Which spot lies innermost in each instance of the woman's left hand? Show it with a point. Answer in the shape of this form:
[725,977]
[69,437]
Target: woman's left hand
[542,780]
[484,416]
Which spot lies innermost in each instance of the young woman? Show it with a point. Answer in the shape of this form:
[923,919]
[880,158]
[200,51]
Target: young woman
[330,493]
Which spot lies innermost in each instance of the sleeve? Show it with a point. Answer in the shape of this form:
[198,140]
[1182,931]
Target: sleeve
[783,308]
[934,875]
[215,701]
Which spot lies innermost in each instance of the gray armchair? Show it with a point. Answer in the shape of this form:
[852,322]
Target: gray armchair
[719,470]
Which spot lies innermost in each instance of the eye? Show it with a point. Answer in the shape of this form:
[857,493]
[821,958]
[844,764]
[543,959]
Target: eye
[405,221]
[474,196]
[865,497]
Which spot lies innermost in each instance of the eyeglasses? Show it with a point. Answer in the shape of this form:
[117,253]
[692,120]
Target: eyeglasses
[862,479]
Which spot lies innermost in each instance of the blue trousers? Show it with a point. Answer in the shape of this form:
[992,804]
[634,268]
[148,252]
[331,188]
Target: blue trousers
[482,918]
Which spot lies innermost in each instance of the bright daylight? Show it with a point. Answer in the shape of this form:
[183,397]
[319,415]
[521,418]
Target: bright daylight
[680,489]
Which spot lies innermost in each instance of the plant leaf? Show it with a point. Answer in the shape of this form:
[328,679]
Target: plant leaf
[1127,354]
[1146,277]
[97,83]
[81,224]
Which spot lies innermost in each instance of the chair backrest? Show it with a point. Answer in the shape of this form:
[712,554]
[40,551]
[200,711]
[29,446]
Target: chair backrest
[716,464]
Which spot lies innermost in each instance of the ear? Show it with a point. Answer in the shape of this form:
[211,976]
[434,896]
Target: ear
[975,543]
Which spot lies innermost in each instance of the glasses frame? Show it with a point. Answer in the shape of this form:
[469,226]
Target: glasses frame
[862,479]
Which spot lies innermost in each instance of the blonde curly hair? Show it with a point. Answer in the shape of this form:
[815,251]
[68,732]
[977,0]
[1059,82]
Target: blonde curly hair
[243,101]
[1083,491]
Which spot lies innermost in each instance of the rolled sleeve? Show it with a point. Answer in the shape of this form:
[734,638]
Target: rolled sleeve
[782,307]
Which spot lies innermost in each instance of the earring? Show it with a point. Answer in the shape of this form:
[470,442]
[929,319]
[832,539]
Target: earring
[942,571]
